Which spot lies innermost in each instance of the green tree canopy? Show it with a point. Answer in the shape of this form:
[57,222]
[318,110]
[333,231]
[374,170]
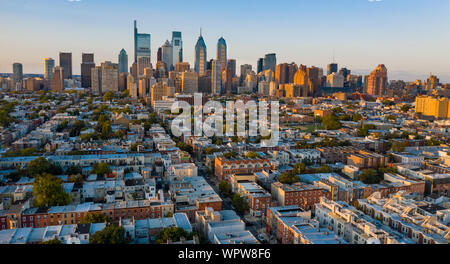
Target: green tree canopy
[101,168]
[225,187]
[42,165]
[48,191]
[331,123]
[239,203]
[172,233]
[370,176]
[288,178]
[111,235]
[95,218]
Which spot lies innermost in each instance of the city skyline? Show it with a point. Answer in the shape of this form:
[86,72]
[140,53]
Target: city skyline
[405,46]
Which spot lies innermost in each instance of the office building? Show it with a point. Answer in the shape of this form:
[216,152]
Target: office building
[183,67]
[232,64]
[87,63]
[332,68]
[49,63]
[433,107]
[270,62]
[200,56]
[167,55]
[378,81]
[189,82]
[335,80]
[141,44]
[216,78]
[17,73]
[96,80]
[142,63]
[65,61]
[109,77]
[282,73]
[222,53]
[123,61]
[57,79]
[260,65]
[177,48]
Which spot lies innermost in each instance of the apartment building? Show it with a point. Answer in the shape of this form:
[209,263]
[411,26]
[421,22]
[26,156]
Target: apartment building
[224,166]
[300,194]
[365,159]
[337,154]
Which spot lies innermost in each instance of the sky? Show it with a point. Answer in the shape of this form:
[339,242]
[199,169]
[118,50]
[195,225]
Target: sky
[411,37]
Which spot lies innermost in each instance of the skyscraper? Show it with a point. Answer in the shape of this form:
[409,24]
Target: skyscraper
[282,73]
[167,55]
[143,62]
[260,65]
[227,79]
[17,73]
[58,79]
[123,61]
[96,80]
[270,62]
[332,67]
[232,65]
[200,56]
[87,63]
[49,63]
[65,61]
[222,53]
[377,81]
[177,47]
[189,82]
[109,77]
[141,44]
[216,78]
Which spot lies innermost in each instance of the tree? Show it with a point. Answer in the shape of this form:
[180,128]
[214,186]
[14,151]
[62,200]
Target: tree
[370,176]
[230,155]
[405,108]
[108,96]
[225,187]
[299,168]
[106,130]
[95,218]
[211,150]
[42,165]
[288,178]
[101,169]
[172,233]
[73,170]
[51,242]
[111,235]
[398,146]
[76,178]
[356,117]
[185,147]
[363,131]
[239,203]
[48,191]
[252,155]
[331,123]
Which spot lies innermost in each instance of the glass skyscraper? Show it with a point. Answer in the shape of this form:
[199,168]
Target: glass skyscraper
[177,48]
[141,44]
[222,53]
[270,62]
[200,56]
[123,61]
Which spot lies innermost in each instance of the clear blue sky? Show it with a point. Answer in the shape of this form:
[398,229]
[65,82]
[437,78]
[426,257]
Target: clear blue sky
[411,37]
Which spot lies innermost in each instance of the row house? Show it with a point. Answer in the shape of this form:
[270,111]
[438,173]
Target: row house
[225,167]
[301,194]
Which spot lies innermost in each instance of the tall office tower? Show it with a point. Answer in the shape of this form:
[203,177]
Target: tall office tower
[304,82]
[96,80]
[366,83]
[109,77]
[17,73]
[200,56]
[232,64]
[222,53]
[87,63]
[216,78]
[432,83]
[65,61]
[270,62]
[123,61]
[335,80]
[58,79]
[159,54]
[160,89]
[209,65]
[227,79]
[167,55]
[245,68]
[204,84]
[123,81]
[345,72]
[313,75]
[146,82]
[134,70]
[260,65]
[377,81]
[161,70]
[142,63]
[183,66]
[34,84]
[177,47]
[292,69]
[49,63]
[189,82]
[332,67]
[141,44]
[282,73]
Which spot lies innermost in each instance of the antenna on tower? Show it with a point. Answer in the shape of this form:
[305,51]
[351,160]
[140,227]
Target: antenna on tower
[334,59]
[200,31]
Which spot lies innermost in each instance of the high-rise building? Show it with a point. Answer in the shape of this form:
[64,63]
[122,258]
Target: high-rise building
[292,69]
[167,55]
[141,44]
[58,79]
[227,79]
[433,107]
[87,63]
[189,82]
[183,67]
[270,62]
[260,65]
[96,80]
[109,77]
[177,47]
[216,78]
[17,73]
[335,80]
[65,61]
[377,81]
[432,83]
[222,53]
[332,67]
[200,56]
[282,73]
[142,63]
[49,63]
[146,81]
[123,61]
[245,68]
[232,64]
[345,72]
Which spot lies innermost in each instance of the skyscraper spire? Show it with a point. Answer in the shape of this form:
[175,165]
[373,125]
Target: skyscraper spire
[200,31]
